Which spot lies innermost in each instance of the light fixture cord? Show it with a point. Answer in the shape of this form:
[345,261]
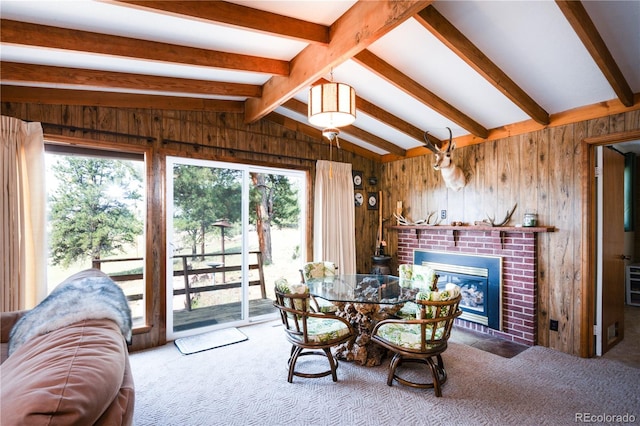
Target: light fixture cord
[331,153]
[331,159]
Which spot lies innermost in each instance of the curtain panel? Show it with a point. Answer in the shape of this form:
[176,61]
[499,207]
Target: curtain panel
[334,216]
[22,215]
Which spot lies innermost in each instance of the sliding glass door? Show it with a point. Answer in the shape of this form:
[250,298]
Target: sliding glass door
[231,231]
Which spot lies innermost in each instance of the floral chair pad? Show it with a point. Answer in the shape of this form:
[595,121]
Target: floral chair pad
[407,335]
[323,330]
[318,270]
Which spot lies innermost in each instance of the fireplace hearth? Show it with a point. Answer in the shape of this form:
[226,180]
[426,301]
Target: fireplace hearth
[516,246]
[480,281]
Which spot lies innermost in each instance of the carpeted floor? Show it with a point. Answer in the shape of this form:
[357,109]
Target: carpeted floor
[245,384]
[628,351]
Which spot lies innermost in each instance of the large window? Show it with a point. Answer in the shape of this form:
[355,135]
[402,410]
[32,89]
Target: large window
[96,217]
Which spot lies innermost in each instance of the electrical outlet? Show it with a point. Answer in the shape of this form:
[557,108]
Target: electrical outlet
[553,325]
[443,214]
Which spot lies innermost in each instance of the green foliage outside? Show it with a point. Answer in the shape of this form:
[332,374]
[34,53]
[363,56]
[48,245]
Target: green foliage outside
[204,195]
[93,208]
[284,210]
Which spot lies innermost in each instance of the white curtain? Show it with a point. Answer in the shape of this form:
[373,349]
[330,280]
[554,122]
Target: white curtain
[22,215]
[334,216]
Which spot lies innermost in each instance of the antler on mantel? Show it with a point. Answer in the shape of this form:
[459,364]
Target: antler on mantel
[490,221]
[424,222]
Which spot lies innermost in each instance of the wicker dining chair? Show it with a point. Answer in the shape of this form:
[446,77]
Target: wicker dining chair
[309,332]
[422,339]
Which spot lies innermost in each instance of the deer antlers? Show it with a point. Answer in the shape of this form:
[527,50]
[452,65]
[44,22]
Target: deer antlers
[425,222]
[452,175]
[491,221]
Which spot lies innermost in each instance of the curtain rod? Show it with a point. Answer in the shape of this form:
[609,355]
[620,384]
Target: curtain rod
[104,132]
[197,146]
[166,141]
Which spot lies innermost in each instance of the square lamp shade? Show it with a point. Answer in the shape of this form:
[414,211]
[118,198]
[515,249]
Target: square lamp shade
[332,105]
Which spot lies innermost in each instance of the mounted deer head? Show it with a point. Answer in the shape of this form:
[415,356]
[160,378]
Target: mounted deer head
[453,175]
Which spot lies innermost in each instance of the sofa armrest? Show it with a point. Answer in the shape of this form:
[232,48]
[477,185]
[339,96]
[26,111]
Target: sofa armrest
[7,321]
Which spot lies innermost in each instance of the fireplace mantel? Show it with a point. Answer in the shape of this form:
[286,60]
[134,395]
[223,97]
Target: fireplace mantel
[496,231]
[478,228]
[517,246]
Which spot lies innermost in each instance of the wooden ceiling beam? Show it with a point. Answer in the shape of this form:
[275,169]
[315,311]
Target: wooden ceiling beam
[243,17]
[364,23]
[49,96]
[576,115]
[23,33]
[451,37]
[301,108]
[38,74]
[417,91]
[374,140]
[390,120]
[584,27]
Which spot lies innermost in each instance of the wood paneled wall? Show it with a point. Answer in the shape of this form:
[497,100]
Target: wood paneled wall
[542,172]
[207,135]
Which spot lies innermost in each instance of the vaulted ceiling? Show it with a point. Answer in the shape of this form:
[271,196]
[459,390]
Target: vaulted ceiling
[485,69]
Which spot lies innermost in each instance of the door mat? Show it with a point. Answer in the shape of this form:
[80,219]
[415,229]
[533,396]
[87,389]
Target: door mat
[210,340]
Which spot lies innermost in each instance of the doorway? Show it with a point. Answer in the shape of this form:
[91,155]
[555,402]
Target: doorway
[611,256]
[232,229]
[592,311]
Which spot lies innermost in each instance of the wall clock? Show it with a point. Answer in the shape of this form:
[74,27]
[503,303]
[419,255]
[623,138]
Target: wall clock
[357,179]
[359,199]
[372,200]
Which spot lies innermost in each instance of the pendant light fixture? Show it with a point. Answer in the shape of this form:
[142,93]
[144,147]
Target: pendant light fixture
[331,105]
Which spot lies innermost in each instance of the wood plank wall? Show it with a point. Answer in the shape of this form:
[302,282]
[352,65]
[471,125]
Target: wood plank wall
[541,172]
[219,136]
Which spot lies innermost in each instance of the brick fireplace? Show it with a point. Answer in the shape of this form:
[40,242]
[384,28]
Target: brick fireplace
[516,246]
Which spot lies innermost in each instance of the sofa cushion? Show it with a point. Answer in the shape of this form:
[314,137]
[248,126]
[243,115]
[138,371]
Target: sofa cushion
[71,375]
[7,321]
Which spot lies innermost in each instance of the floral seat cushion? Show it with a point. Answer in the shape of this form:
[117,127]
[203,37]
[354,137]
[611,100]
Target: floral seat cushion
[408,311]
[324,330]
[407,335]
[283,286]
[318,270]
[325,306]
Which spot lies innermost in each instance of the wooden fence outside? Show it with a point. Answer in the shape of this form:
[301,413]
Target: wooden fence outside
[188,271]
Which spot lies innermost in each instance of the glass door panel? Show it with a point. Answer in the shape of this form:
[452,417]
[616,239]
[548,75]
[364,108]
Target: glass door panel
[206,256]
[232,230]
[276,232]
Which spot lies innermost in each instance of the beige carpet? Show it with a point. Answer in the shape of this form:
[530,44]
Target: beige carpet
[245,384]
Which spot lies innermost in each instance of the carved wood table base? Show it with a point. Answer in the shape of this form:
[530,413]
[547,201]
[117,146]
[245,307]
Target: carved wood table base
[363,317]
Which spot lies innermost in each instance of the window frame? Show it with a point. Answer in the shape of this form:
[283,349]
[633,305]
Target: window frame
[64,144]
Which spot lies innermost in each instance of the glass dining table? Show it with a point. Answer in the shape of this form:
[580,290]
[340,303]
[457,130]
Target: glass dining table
[363,300]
